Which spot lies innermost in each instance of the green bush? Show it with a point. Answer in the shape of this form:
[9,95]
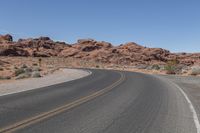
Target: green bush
[170,67]
[156,67]
[28,70]
[19,71]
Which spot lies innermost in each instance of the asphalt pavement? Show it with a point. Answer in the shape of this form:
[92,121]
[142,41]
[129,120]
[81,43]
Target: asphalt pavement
[107,101]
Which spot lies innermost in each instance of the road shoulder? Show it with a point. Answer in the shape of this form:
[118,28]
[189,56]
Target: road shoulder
[190,87]
[63,75]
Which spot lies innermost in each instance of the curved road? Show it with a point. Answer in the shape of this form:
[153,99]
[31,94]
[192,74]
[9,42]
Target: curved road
[104,102]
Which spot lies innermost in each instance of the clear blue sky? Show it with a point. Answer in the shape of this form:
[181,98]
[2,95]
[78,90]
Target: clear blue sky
[170,24]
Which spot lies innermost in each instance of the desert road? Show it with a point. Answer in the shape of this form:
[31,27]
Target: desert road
[104,102]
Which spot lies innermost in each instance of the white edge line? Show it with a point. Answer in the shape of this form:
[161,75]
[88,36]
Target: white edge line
[195,117]
[192,109]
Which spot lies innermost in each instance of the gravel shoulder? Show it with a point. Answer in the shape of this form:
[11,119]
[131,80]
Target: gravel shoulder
[60,76]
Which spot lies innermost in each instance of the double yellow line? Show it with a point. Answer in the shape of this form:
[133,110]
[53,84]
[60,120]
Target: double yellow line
[40,117]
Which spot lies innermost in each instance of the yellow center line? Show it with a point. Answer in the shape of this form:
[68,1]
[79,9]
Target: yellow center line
[45,115]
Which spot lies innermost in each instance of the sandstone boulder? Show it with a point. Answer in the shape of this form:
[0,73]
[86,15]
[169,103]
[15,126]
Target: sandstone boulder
[6,38]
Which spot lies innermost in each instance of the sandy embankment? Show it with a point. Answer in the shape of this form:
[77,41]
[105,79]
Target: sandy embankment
[63,75]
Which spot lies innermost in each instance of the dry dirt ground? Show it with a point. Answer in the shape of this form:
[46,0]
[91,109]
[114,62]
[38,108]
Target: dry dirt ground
[12,68]
[60,76]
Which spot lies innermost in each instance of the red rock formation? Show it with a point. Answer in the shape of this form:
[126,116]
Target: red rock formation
[6,38]
[89,49]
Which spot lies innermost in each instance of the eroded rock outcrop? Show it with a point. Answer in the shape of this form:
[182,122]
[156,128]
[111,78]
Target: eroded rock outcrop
[89,49]
[6,38]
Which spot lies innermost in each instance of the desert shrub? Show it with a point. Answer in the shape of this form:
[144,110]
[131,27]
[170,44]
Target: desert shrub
[35,64]
[195,70]
[36,74]
[4,77]
[141,66]
[97,66]
[155,67]
[23,75]
[19,71]
[28,70]
[170,67]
